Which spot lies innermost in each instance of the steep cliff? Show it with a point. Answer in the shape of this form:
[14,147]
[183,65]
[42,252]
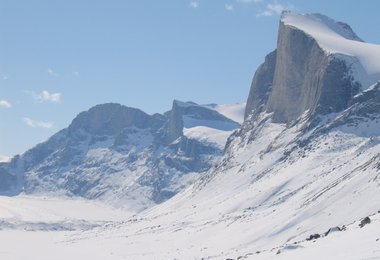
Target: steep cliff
[309,71]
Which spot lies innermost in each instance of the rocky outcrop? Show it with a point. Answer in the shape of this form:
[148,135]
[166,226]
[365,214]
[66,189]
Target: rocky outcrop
[174,126]
[261,85]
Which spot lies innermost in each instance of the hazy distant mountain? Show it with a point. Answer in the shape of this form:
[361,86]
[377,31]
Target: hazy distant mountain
[122,155]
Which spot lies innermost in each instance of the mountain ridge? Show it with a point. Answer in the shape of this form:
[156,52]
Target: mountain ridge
[112,152]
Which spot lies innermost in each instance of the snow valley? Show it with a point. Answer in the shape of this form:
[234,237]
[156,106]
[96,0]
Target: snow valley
[293,173]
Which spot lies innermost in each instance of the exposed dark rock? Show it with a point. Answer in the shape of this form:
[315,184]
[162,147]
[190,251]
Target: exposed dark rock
[261,85]
[306,78]
[333,229]
[313,237]
[364,222]
[174,126]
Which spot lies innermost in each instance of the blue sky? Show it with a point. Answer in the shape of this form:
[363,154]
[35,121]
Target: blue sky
[60,57]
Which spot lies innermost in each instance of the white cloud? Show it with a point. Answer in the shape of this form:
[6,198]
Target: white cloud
[276,8]
[37,124]
[51,72]
[4,77]
[194,4]
[76,73]
[272,9]
[45,96]
[229,7]
[5,104]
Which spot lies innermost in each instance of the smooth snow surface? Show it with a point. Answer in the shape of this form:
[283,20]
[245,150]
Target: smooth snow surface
[52,214]
[5,158]
[207,134]
[212,131]
[335,39]
[231,111]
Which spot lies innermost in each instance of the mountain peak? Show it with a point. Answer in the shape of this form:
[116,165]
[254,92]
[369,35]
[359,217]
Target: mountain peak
[318,66]
[338,38]
[109,119]
[316,23]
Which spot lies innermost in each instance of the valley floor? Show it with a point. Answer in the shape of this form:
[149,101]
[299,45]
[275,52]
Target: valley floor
[75,229]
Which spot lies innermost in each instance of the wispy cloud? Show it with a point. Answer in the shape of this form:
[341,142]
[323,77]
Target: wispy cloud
[51,72]
[37,124]
[5,104]
[76,74]
[229,7]
[194,4]
[45,96]
[4,77]
[272,9]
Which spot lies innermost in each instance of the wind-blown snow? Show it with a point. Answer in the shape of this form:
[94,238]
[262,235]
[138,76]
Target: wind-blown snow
[190,122]
[5,158]
[231,111]
[207,134]
[335,39]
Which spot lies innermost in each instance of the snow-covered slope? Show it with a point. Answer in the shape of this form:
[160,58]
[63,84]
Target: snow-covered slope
[279,188]
[215,132]
[54,214]
[266,195]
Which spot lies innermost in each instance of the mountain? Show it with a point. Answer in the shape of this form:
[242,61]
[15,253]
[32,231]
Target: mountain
[299,180]
[318,66]
[122,155]
[305,161]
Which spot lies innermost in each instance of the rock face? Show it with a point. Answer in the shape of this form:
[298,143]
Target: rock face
[301,76]
[261,85]
[118,154]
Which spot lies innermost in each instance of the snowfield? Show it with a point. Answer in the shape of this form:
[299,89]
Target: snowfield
[50,214]
[252,201]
